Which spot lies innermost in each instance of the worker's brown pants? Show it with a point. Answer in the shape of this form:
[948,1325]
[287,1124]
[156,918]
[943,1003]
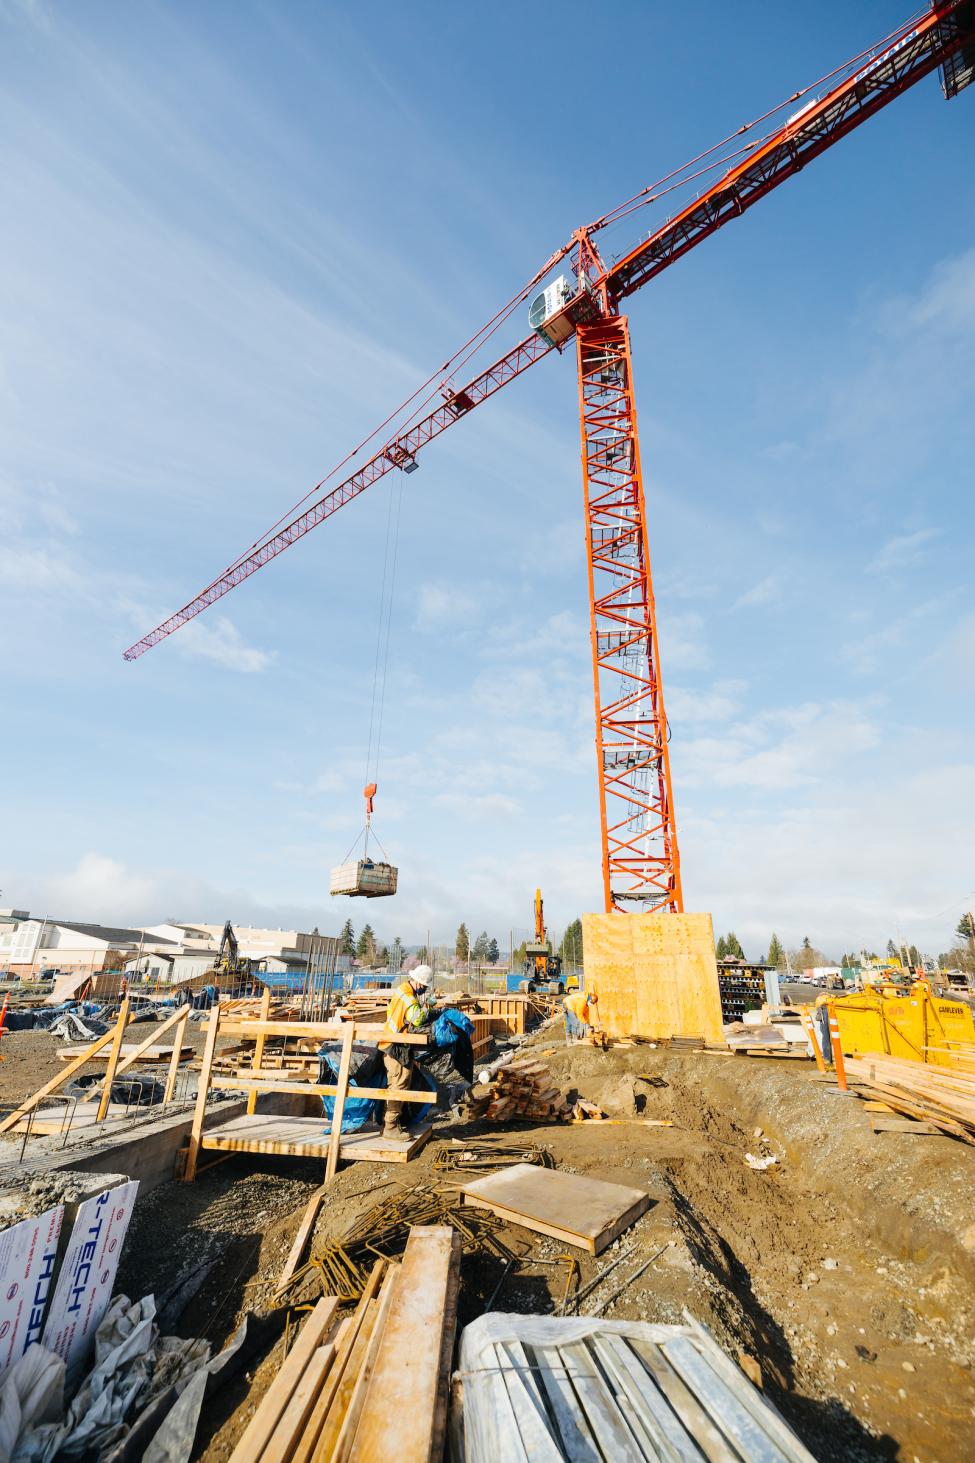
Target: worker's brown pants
[397,1080]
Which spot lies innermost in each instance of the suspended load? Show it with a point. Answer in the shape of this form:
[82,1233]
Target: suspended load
[365,878]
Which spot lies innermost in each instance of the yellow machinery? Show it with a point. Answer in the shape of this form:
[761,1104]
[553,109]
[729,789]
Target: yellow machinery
[904,1022]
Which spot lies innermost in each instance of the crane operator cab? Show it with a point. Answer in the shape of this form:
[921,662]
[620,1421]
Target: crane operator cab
[561,306]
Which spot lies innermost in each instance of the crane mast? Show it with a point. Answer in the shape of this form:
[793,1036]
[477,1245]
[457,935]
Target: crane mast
[640,855]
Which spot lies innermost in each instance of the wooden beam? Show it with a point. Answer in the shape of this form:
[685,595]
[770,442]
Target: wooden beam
[251,1447]
[62,1077]
[178,1040]
[199,1112]
[113,1058]
[129,1059]
[371,1031]
[301,1238]
[316,1089]
[299,1407]
[259,1045]
[349,1333]
[352,1393]
[335,1136]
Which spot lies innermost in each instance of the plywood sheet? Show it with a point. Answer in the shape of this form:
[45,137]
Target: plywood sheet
[581,1211]
[655,974]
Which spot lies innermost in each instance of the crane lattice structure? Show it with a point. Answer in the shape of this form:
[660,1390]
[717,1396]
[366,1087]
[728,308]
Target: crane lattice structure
[640,856]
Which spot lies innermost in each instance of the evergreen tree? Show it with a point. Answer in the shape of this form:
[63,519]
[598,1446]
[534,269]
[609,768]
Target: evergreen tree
[518,956]
[494,953]
[914,955]
[776,954]
[892,950]
[721,948]
[965,929]
[571,946]
[365,948]
[396,953]
[481,944]
[381,957]
[733,947]
[462,944]
[347,939]
[423,956]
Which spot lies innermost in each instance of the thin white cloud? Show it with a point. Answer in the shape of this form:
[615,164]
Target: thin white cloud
[218,640]
[902,550]
[767,591]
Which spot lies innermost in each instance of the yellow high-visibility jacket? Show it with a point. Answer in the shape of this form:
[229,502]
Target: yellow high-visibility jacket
[579,1006]
[405,1012]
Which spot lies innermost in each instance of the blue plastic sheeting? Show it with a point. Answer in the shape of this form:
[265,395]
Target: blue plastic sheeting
[448,1028]
[367,1070]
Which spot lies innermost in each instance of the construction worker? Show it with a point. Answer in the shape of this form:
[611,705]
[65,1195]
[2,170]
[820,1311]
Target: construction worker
[579,1013]
[408,1011]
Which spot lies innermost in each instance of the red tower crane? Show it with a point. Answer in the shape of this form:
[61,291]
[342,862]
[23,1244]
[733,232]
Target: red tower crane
[640,856]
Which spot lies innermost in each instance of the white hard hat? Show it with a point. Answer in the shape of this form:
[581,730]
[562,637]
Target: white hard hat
[422,975]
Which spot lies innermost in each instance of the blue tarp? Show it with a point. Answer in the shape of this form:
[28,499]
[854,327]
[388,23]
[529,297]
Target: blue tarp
[367,1070]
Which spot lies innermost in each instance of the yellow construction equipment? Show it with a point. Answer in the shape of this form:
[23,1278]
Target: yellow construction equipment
[908,1022]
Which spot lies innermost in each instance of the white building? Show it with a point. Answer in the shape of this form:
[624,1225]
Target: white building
[35,947]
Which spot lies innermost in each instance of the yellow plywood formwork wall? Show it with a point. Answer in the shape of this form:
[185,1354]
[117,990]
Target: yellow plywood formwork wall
[655,974]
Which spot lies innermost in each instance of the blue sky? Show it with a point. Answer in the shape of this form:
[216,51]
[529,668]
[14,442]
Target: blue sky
[236,234]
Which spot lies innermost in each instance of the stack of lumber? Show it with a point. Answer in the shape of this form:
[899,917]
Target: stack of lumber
[375,1384]
[941,1096]
[519,1089]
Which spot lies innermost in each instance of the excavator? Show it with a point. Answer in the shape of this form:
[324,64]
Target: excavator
[543,969]
[230,965]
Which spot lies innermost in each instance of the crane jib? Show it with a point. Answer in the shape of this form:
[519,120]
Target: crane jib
[944,38]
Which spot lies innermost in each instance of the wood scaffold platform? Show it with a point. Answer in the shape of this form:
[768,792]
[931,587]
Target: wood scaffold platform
[296,1136]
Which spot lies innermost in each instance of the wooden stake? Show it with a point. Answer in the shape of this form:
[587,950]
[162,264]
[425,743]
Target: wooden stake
[301,1238]
[259,1045]
[809,1027]
[178,1040]
[199,1112]
[335,1137]
[113,1056]
[836,1044]
[62,1077]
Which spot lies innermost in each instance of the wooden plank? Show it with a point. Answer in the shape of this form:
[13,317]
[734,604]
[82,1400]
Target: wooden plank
[301,1238]
[345,1342]
[175,1060]
[113,1059]
[409,1378]
[582,1211]
[276,1398]
[199,1111]
[62,1077]
[151,1054]
[294,1419]
[357,1396]
[341,1088]
[330,1030]
[344,1390]
[259,1041]
[655,975]
[904,1125]
[316,1089]
[306,1138]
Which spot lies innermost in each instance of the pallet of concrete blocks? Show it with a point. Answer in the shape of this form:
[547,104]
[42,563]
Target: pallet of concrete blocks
[519,1089]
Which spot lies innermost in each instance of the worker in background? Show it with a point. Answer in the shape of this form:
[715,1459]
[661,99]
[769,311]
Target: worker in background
[579,1009]
[408,1011]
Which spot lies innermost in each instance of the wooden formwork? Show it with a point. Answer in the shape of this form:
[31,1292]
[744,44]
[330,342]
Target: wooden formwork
[655,974]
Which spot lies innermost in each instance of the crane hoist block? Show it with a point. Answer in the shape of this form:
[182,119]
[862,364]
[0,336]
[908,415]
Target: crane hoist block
[367,879]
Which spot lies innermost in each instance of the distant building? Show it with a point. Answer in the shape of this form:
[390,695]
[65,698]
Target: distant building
[167,953]
[39,946]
